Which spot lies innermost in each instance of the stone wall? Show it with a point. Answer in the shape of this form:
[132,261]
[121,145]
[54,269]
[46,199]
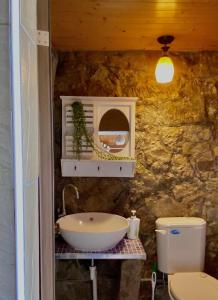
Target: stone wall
[176,139]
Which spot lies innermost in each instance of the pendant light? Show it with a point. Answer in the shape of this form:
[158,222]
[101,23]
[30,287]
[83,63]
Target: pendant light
[164,69]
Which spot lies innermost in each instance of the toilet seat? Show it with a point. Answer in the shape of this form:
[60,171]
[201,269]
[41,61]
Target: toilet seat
[192,286]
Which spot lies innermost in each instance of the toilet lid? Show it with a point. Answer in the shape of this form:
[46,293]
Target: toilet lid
[193,286]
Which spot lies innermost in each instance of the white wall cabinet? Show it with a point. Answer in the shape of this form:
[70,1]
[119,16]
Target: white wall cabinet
[111,124]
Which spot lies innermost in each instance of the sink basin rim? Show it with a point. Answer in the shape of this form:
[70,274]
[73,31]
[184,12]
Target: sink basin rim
[80,230]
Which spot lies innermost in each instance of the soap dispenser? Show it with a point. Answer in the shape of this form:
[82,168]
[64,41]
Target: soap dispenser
[134,223]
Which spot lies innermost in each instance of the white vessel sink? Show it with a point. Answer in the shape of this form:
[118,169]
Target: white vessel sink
[93,231]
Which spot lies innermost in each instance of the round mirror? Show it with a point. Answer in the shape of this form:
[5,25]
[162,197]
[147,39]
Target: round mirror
[113,131]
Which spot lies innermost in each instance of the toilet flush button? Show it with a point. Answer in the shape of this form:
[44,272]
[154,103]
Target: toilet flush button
[203,275]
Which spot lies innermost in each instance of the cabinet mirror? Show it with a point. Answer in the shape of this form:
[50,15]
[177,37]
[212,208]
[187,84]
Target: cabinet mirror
[113,131]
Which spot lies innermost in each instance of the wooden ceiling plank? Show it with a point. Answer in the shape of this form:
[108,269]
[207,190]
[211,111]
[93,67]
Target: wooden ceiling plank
[107,24]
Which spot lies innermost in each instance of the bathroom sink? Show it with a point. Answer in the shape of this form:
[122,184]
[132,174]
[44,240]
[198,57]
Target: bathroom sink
[93,231]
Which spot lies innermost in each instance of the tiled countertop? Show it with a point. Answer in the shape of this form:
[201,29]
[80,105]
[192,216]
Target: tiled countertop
[126,249]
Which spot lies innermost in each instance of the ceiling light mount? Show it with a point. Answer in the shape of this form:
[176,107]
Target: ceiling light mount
[165,40]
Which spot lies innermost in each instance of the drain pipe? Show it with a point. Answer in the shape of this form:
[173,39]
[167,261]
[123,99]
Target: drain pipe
[153,280]
[93,277]
[153,283]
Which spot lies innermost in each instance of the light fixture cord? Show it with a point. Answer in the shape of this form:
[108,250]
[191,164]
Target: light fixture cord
[165,50]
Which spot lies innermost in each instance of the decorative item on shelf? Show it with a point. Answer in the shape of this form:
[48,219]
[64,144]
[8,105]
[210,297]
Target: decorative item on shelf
[98,136]
[164,71]
[134,223]
[81,135]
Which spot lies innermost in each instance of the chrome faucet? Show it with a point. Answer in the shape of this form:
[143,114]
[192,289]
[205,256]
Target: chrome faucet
[63,197]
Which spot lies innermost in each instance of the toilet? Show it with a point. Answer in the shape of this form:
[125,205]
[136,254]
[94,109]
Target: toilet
[180,254]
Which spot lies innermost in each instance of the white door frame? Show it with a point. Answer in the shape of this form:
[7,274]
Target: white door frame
[17,130]
[46,264]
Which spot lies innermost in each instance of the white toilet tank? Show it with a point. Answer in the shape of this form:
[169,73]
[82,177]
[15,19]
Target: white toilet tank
[180,244]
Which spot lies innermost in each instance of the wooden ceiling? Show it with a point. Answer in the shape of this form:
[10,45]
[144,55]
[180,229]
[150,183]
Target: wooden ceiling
[134,24]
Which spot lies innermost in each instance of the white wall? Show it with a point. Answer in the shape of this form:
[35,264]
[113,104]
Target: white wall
[7,235]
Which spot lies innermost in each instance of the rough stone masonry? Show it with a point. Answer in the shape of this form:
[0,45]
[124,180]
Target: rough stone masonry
[176,139]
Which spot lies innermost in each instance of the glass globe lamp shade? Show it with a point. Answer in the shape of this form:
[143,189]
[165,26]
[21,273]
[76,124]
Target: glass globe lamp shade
[164,71]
